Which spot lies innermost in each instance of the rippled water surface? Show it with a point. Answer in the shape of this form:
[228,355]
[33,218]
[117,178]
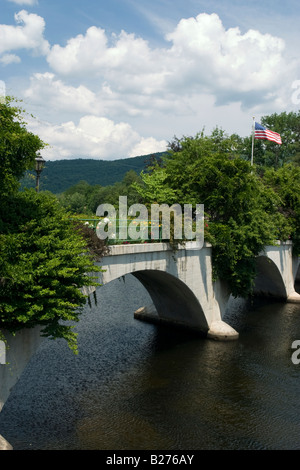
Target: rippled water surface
[136,386]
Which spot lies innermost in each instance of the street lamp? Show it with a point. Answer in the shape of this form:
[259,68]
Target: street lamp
[39,165]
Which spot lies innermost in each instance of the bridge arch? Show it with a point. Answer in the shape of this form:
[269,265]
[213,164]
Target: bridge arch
[269,280]
[173,300]
[179,282]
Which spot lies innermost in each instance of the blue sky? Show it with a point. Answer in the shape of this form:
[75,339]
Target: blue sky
[118,79]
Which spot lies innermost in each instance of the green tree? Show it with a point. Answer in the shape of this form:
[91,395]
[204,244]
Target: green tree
[45,264]
[288,126]
[45,259]
[76,203]
[270,154]
[286,183]
[241,212]
[83,198]
[18,146]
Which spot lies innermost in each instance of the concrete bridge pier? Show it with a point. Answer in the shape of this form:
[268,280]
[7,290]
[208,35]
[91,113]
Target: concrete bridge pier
[277,273]
[4,445]
[181,309]
[294,296]
[15,353]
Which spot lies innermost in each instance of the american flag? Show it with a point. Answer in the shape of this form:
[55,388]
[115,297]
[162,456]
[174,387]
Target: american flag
[265,134]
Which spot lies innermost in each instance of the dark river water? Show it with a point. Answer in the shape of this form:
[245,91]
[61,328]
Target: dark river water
[137,386]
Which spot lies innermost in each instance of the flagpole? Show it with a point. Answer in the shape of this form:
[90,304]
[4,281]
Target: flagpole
[253,127]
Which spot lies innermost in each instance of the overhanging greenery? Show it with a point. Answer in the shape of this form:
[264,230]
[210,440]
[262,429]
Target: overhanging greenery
[243,209]
[45,259]
[44,265]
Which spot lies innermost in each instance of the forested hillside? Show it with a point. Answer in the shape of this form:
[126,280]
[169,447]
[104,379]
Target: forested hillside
[60,175]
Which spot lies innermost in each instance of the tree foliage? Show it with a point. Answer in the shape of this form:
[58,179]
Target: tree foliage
[60,175]
[18,146]
[288,126]
[84,198]
[269,154]
[44,266]
[285,181]
[45,259]
[242,212]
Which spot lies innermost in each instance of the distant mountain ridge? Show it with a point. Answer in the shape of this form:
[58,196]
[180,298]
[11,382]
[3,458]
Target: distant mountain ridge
[60,175]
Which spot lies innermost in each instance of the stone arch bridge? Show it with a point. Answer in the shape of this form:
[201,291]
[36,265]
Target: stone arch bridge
[181,285]
[182,289]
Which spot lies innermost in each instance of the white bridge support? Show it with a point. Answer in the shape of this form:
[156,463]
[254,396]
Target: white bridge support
[277,272]
[16,352]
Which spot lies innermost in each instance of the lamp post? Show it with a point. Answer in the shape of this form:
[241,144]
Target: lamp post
[39,165]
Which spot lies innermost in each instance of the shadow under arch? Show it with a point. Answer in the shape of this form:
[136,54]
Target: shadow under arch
[268,281]
[174,301]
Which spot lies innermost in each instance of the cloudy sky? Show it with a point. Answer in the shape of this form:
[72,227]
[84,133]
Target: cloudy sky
[120,78]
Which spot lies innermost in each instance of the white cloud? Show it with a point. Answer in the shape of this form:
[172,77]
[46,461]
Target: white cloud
[7,59]
[61,97]
[147,146]
[203,57]
[65,99]
[27,35]
[93,137]
[225,62]
[25,2]
[81,53]
[122,64]
[105,92]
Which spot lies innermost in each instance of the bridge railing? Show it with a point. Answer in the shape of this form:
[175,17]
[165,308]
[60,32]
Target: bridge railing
[153,230]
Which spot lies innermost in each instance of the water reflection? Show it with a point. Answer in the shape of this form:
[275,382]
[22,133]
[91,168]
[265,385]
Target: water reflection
[139,386]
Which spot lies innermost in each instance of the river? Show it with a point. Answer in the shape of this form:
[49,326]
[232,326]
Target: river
[137,386]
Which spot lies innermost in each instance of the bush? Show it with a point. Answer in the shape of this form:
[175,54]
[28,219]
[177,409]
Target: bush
[45,263]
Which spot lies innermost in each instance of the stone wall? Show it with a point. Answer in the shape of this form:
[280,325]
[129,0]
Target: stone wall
[15,355]
[19,349]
